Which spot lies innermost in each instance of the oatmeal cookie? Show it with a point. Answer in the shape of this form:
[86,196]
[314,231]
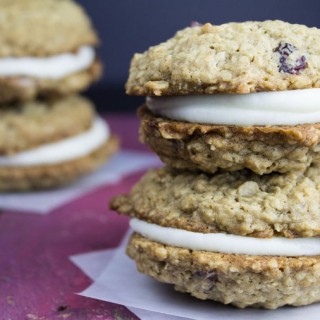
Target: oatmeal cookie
[241,280]
[39,28]
[24,126]
[262,149]
[230,58]
[240,203]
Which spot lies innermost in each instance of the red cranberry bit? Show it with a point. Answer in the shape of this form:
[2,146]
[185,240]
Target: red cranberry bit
[301,64]
[208,275]
[285,50]
[210,278]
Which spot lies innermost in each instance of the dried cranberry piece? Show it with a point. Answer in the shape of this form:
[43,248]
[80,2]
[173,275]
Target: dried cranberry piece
[285,50]
[208,275]
[210,278]
[301,64]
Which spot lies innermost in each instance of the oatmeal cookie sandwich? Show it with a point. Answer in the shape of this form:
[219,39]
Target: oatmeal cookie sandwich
[50,143]
[235,216]
[238,238]
[47,49]
[234,96]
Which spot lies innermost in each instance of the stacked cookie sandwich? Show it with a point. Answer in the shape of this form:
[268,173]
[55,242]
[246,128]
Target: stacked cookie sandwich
[232,110]
[49,136]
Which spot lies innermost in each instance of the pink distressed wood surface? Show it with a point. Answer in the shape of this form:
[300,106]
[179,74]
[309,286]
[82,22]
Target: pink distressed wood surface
[37,279]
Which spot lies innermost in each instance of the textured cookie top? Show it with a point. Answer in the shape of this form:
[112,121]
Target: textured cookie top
[43,27]
[239,203]
[28,125]
[230,58]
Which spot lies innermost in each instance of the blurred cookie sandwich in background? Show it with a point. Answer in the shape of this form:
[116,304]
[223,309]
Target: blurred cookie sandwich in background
[47,48]
[46,144]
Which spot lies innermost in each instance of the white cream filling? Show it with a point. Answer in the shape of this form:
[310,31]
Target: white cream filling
[227,243]
[53,67]
[289,107]
[61,151]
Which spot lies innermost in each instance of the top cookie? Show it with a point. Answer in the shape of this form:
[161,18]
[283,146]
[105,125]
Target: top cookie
[231,58]
[43,27]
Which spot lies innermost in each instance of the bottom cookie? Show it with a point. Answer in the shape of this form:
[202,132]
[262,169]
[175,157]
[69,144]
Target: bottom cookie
[55,175]
[241,280]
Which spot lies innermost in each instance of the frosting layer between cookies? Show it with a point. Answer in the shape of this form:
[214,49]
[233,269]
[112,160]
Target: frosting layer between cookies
[289,107]
[52,67]
[227,243]
[65,150]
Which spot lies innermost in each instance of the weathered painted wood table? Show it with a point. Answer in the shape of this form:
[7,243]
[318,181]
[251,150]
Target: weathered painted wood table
[37,279]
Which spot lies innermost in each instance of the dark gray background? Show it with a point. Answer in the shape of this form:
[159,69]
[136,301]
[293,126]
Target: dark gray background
[129,26]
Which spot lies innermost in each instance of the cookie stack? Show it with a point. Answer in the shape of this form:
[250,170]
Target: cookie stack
[49,136]
[232,110]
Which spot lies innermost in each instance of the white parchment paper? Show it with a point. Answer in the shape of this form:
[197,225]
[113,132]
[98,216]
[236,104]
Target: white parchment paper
[116,280]
[93,264]
[42,202]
